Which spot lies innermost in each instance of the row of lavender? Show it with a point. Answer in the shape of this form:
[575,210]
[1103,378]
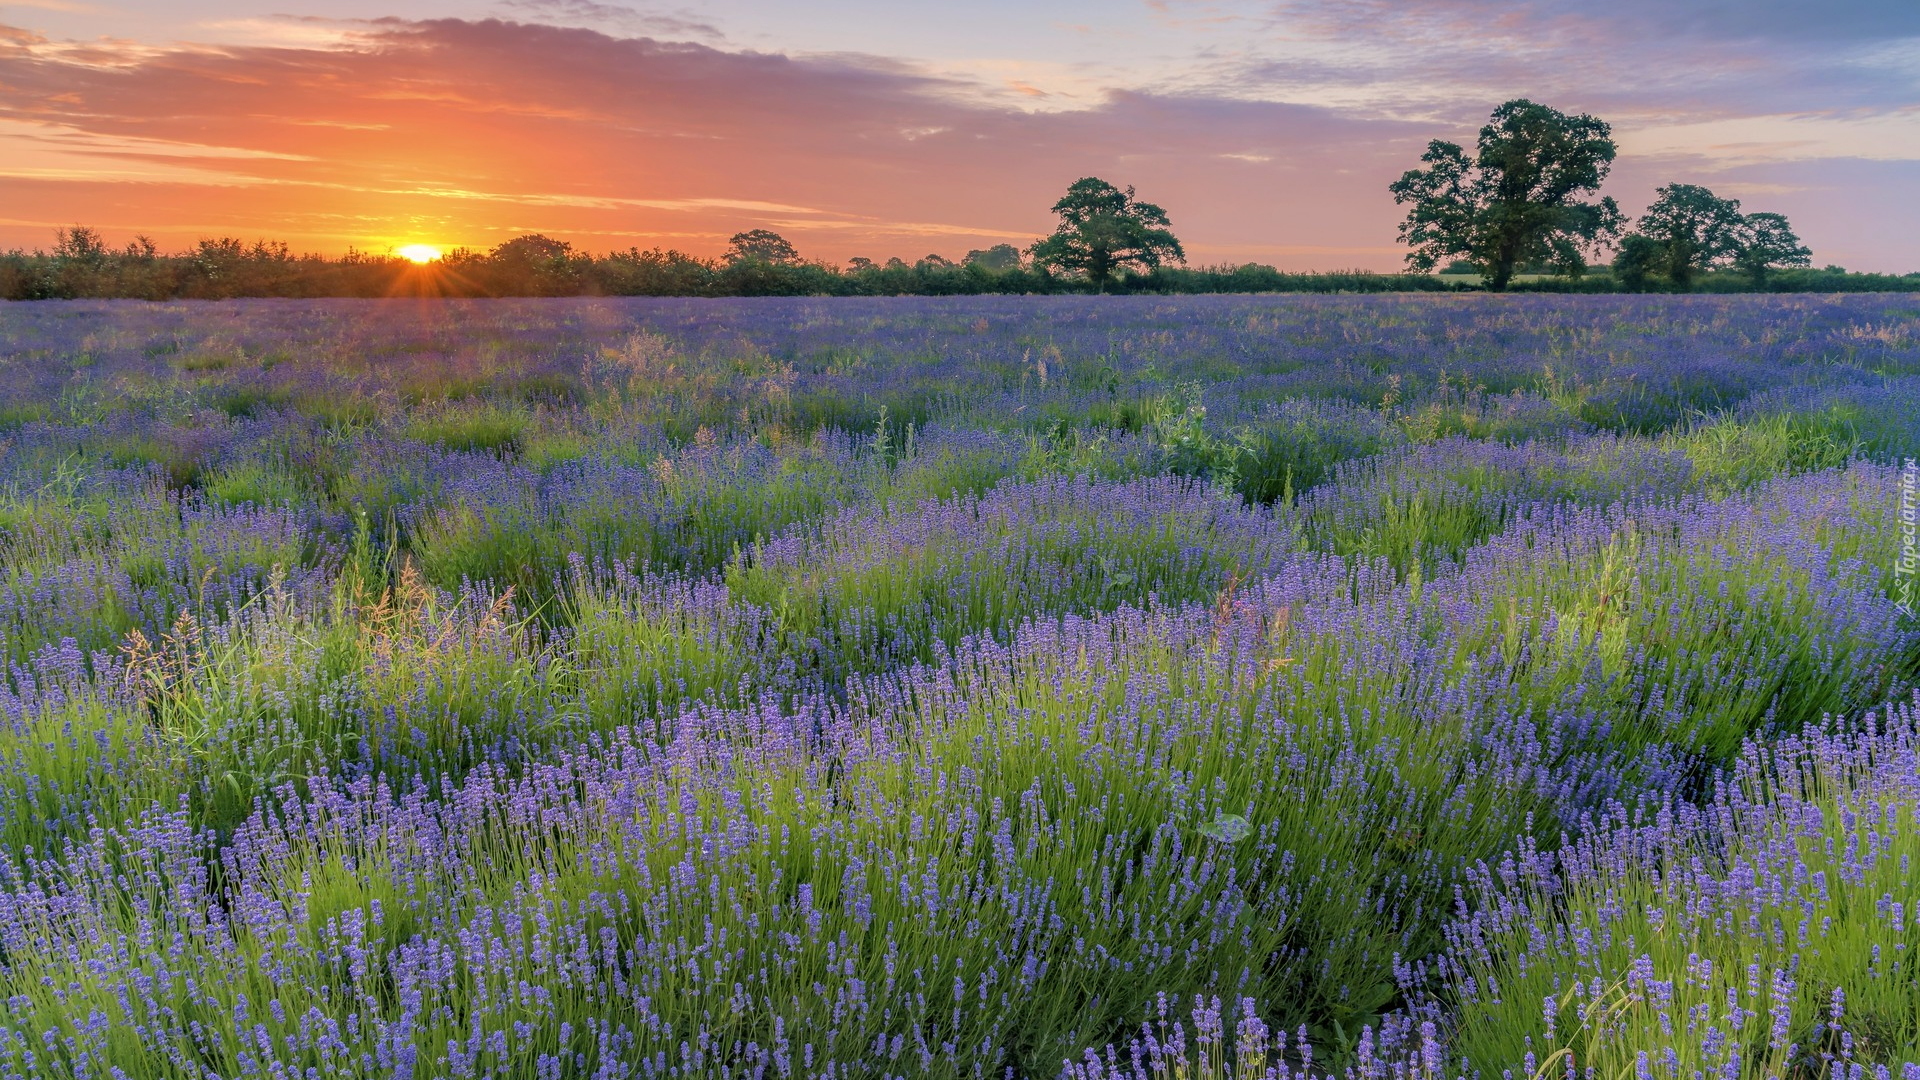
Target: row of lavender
[1622,362]
[650,722]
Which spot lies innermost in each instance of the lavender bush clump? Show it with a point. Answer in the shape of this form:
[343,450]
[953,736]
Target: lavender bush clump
[1385,688]
[1767,931]
[886,587]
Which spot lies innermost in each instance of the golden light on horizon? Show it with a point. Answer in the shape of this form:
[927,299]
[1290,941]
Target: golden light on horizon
[420,254]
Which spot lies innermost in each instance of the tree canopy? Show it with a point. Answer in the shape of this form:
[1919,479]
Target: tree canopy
[997,257]
[1516,200]
[549,267]
[761,245]
[1691,230]
[532,250]
[1104,230]
[1766,241]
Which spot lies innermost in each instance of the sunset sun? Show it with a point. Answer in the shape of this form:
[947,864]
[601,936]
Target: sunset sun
[420,254]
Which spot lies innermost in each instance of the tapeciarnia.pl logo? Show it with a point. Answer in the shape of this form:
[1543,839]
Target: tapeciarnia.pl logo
[1906,572]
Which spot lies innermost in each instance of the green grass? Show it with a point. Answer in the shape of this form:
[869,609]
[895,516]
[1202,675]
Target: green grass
[489,427]
[901,585]
[639,654]
[1731,455]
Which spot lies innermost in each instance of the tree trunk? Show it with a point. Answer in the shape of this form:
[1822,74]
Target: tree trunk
[1500,265]
[1100,268]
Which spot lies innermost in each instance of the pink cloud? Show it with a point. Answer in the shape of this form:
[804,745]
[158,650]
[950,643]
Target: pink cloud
[474,131]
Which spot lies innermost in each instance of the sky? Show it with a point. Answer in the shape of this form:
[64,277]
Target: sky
[1268,129]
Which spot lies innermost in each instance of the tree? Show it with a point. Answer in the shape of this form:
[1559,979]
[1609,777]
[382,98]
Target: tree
[1516,200]
[532,252]
[1765,241]
[537,264]
[218,259]
[1634,265]
[761,245]
[1103,230]
[996,258]
[1694,230]
[81,266]
[80,246]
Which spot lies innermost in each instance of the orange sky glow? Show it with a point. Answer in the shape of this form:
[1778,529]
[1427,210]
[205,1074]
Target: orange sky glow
[457,133]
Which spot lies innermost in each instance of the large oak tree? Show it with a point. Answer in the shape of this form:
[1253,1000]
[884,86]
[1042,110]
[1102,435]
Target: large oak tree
[1517,199]
[1104,230]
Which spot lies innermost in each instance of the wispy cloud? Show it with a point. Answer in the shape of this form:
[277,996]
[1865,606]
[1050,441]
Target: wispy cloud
[72,139]
[1753,140]
[70,6]
[1694,59]
[679,24]
[301,32]
[641,136]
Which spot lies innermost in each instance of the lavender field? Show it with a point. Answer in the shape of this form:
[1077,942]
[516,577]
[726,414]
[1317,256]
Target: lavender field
[1205,688]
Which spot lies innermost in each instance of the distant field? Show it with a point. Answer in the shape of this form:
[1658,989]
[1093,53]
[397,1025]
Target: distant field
[1400,686]
[1477,279]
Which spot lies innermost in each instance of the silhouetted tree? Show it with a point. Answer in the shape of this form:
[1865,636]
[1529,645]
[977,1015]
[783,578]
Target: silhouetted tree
[531,252]
[1103,230]
[1636,262]
[1694,230]
[761,245]
[80,246]
[536,264]
[81,265]
[218,258]
[997,257]
[1516,200]
[655,272]
[1764,241]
